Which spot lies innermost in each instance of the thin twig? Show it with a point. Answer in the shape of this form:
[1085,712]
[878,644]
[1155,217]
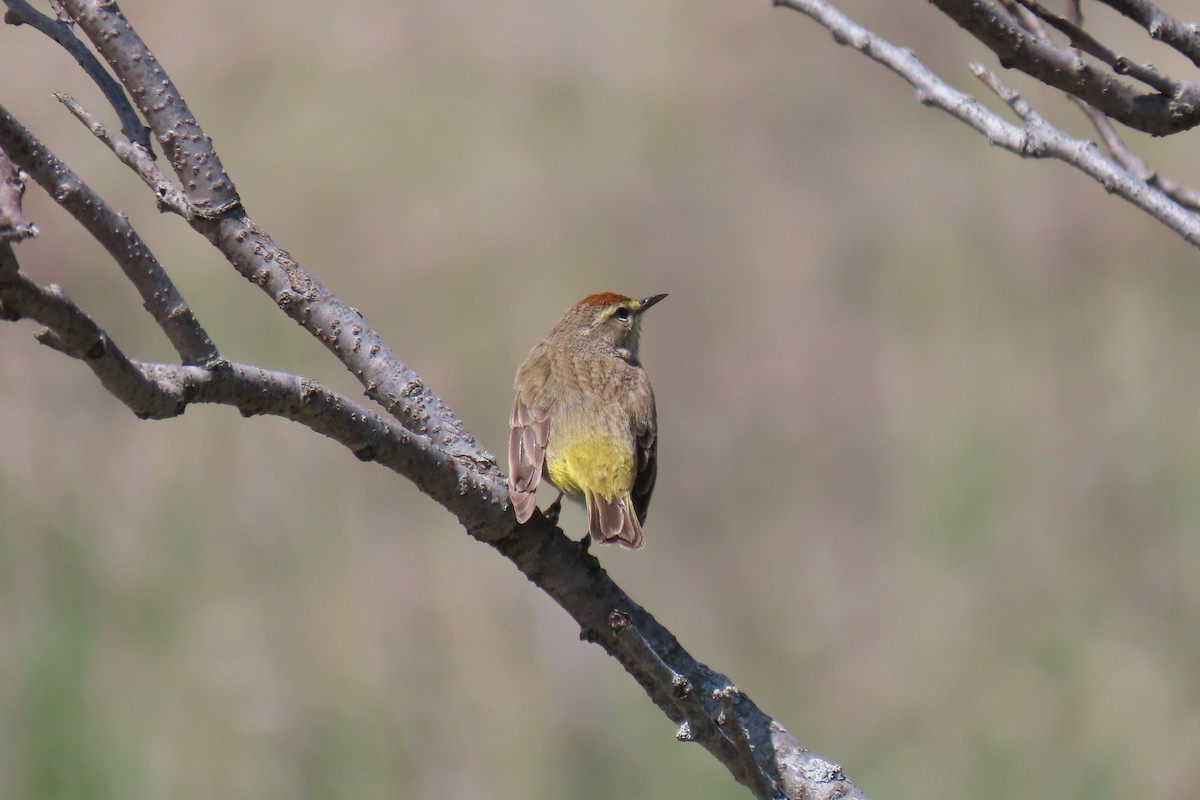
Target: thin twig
[1135,164]
[1183,37]
[1075,11]
[1107,132]
[1036,138]
[1130,162]
[139,159]
[1146,73]
[1160,112]
[1010,96]
[187,147]
[21,13]
[112,230]
[1025,18]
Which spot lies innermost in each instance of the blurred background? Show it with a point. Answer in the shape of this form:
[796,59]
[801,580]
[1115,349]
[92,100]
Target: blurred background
[929,481]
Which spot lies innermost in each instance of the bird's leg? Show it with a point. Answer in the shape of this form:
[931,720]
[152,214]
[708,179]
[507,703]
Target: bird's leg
[553,510]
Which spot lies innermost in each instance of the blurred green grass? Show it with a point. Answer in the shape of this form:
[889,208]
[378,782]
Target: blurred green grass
[929,440]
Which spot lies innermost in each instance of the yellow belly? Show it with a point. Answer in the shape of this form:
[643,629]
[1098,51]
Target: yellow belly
[600,465]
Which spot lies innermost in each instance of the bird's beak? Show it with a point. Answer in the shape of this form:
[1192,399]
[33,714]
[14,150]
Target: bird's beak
[646,302]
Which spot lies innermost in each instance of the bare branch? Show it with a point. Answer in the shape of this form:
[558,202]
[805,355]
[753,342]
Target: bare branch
[1036,138]
[162,391]
[433,447]
[186,145]
[682,687]
[687,691]
[1010,97]
[1135,164]
[1075,11]
[112,230]
[21,13]
[1177,109]
[74,333]
[1117,149]
[1147,74]
[13,224]
[1185,38]
[219,216]
[139,159]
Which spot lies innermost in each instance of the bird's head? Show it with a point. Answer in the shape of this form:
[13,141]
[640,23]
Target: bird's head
[610,321]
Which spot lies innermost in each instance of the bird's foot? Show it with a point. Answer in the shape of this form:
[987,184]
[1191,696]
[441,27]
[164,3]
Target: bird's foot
[553,510]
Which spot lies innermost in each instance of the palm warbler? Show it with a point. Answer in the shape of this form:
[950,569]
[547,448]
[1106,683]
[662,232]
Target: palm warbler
[584,417]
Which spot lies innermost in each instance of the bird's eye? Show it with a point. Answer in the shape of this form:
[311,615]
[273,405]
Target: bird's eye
[621,313]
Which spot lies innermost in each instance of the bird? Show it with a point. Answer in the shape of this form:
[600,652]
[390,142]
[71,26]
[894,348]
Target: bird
[584,417]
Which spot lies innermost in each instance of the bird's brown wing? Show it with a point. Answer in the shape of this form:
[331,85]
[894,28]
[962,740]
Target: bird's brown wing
[647,464]
[529,430]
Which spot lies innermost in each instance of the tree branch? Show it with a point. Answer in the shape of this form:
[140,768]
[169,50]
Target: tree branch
[758,751]
[1171,111]
[71,331]
[1081,39]
[1161,26]
[1117,149]
[113,231]
[138,158]
[21,13]
[219,216]
[431,446]
[187,147]
[1035,138]
[1134,164]
[13,224]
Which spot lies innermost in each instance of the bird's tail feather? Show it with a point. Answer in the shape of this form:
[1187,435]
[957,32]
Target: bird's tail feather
[611,520]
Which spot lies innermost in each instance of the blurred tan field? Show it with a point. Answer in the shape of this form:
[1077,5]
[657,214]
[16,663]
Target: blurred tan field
[929,483]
